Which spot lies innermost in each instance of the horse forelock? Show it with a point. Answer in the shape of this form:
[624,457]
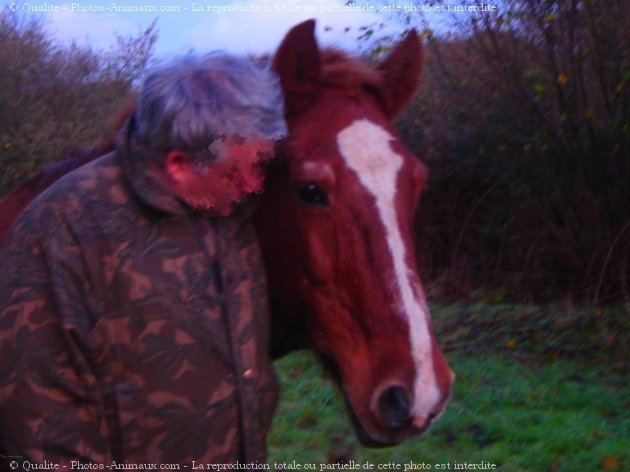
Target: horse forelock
[339,70]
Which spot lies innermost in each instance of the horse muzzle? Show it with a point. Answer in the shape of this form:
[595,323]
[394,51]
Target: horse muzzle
[390,419]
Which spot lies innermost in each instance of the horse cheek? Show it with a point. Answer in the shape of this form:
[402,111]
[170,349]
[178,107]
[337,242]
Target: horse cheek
[318,289]
[322,255]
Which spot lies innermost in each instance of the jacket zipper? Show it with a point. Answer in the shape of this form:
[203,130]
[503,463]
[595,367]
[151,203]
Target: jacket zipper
[201,228]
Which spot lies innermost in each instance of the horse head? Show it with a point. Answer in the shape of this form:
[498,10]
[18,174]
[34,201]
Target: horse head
[336,225]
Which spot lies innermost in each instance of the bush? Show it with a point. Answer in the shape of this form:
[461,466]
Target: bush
[525,119]
[54,97]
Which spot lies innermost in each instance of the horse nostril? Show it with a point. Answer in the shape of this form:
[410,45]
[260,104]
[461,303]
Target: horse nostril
[394,407]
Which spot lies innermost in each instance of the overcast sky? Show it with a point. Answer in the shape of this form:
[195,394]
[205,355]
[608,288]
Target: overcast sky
[254,26]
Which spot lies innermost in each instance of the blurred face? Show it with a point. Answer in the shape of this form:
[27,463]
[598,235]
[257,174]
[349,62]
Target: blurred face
[216,184]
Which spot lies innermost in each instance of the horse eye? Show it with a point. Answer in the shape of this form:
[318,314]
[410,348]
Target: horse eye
[312,193]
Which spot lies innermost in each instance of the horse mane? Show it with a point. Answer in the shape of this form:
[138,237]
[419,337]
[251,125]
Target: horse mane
[12,204]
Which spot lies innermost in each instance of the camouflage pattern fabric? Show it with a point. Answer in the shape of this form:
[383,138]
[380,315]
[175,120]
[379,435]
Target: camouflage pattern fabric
[130,328]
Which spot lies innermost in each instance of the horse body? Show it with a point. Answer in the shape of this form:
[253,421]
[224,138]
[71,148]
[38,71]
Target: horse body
[336,230]
[13,203]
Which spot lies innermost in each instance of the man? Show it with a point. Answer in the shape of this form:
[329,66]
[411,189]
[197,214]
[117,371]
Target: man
[133,317]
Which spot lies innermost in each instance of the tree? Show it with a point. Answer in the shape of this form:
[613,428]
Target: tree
[55,97]
[525,119]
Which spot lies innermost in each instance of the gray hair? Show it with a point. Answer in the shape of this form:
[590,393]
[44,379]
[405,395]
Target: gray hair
[192,101]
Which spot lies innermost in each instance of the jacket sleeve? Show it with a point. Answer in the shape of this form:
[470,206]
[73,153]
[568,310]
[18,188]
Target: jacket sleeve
[50,404]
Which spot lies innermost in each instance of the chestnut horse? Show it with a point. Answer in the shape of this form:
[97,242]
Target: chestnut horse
[336,229]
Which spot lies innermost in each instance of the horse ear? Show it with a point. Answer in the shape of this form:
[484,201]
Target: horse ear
[401,71]
[297,63]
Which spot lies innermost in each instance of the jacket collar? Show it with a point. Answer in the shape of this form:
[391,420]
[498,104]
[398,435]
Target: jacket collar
[148,188]
[146,184]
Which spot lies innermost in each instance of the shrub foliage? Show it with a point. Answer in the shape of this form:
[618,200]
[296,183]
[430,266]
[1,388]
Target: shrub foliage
[55,97]
[525,121]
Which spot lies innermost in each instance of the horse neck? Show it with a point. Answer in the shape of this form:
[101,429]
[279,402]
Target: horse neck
[288,321]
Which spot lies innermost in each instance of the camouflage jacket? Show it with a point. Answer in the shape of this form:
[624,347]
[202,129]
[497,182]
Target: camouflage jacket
[130,328]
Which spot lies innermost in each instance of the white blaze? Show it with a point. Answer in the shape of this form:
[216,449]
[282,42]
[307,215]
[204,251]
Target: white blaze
[366,150]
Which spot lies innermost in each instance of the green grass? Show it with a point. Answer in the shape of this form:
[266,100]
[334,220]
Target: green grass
[524,403]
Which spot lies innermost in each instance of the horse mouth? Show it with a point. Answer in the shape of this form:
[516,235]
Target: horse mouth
[390,439]
[364,437]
